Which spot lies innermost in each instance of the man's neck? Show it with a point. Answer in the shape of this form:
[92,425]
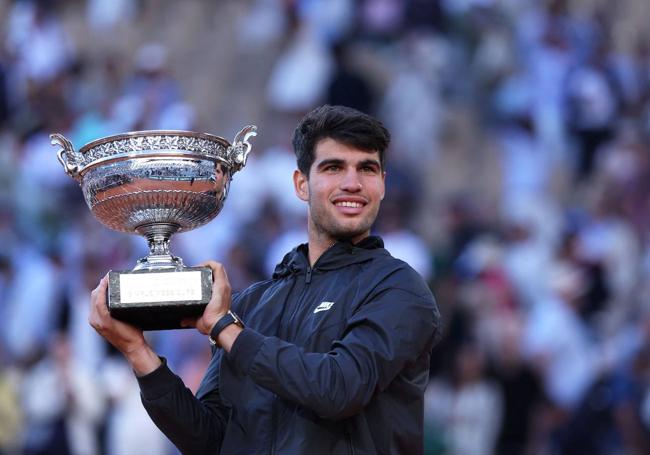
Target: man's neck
[320,244]
[316,250]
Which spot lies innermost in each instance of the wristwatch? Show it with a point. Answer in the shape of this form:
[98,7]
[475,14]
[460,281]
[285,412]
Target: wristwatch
[226,320]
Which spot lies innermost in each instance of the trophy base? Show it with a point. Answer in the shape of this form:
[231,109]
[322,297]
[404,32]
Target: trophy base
[159,299]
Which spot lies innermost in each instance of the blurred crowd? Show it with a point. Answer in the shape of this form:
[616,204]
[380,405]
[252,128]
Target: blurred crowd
[518,186]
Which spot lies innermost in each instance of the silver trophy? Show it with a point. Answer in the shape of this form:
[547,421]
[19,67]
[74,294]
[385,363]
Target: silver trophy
[156,183]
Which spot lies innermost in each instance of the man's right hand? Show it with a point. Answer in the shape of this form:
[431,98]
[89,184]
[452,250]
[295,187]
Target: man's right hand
[126,338]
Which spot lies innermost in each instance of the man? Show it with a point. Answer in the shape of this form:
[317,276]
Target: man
[333,353]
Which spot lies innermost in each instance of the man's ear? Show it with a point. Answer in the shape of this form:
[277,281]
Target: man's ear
[301,185]
[383,183]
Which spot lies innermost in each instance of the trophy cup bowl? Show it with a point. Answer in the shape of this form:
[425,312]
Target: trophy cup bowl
[155,184]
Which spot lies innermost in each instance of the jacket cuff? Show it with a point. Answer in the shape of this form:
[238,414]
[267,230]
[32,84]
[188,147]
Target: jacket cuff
[158,383]
[243,350]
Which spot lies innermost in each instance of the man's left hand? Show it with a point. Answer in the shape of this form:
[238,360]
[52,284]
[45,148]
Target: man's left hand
[220,302]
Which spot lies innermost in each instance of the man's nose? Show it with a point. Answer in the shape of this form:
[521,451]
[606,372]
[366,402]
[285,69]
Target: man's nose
[351,181]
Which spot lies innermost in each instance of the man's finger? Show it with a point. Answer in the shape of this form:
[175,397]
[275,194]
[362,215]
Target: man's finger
[212,264]
[98,299]
[101,287]
[217,267]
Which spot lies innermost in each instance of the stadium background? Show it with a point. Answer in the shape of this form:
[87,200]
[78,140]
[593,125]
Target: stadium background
[517,186]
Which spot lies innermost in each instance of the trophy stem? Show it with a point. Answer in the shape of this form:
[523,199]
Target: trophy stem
[158,236]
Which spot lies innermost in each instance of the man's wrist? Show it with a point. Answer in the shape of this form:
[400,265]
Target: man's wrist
[228,336]
[226,321]
[143,360]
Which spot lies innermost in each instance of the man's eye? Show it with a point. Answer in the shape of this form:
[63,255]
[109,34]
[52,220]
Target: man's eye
[369,169]
[332,168]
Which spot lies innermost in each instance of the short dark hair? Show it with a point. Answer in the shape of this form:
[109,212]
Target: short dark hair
[343,124]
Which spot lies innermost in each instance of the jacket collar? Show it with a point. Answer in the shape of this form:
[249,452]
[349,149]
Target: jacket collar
[341,254]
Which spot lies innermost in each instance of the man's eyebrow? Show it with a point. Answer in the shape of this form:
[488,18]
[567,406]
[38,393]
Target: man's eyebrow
[370,162]
[330,161]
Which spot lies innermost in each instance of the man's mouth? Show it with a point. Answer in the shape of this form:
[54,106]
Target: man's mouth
[348,204]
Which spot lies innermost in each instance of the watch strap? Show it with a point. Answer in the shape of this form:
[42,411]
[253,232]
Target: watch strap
[225,321]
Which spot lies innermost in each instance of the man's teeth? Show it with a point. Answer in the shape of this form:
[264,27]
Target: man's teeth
[348,204]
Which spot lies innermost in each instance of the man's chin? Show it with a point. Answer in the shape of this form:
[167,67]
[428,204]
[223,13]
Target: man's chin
[342,228]
[353,233]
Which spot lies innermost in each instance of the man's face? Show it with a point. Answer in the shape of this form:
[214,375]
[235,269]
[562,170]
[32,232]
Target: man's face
[344,190]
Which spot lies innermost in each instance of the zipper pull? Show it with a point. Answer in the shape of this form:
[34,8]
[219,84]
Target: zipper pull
[308,277]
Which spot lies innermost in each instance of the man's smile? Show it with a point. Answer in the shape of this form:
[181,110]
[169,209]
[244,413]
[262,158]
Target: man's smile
[350,205]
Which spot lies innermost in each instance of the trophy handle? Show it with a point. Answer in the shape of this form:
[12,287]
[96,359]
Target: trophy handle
[240,148]
[64,154]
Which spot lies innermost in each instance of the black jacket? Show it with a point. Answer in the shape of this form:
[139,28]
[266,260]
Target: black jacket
[334,359]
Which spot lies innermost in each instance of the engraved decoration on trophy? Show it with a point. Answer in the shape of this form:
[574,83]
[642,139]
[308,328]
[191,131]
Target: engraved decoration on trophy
[155,184]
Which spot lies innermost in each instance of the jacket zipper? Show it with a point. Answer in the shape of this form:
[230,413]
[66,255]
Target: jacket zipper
[289,335]
[275,400]
[349,436]
[309,271]
[274,423]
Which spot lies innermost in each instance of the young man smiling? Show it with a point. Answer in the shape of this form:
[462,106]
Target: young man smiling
[343,189]
[330,355]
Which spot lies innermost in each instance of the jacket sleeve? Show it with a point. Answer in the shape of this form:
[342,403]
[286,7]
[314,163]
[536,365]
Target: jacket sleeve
[384,335]
[194,424]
